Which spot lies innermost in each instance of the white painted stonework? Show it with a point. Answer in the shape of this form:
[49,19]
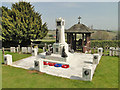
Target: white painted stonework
[61,36]
[95,58]
[8,59]
[76,61]
[79,66]
[12,49]
[87,73]
[29,49]
[100,51]
[34,52]
[24,49]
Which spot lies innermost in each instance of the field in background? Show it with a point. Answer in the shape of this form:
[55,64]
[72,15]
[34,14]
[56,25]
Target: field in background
[16,56]
[109,35]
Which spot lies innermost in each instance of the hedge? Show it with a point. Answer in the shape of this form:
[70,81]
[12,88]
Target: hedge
[104,43]
[94,43]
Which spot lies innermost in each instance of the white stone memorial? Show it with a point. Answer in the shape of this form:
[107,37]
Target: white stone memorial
[60,37]
[58,61]
[8,59]
[34,52]
[100,51]
[24,49]
[38,65]
[116,51]
[112,51]
[87,73]
[12,49]
[29,49]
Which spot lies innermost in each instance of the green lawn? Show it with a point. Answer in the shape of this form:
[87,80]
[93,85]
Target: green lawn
[106,76]
[16,56]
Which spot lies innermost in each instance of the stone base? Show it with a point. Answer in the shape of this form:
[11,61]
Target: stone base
[57,48]
[55,57]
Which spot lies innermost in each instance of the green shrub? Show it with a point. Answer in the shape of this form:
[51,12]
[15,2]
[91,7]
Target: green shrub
[104,43]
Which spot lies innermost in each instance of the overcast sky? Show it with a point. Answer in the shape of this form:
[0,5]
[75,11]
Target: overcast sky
[102,15]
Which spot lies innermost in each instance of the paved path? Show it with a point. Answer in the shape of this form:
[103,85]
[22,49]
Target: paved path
[26,63]
[77,61]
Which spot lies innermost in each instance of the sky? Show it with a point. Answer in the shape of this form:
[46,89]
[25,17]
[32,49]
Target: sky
[102,15]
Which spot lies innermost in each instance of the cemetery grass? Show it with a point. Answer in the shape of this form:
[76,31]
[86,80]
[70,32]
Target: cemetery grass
[16,56]
[106,76]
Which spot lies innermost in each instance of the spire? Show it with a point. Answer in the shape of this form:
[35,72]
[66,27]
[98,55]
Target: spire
[79,19]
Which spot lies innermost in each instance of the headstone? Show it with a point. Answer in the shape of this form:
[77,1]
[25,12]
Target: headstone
[29,50]
[12,49]
[24,49]
[95,59]
[36,48]
[17,49]
[110,52]
[100,51]
[87,73]
[34,52]
[117,50]
[113,52]
[8,59]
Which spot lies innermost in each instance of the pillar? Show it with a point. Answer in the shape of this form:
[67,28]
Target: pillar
[75,41]
[82,40]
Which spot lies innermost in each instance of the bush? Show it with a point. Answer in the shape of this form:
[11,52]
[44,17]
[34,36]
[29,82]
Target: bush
[104,43]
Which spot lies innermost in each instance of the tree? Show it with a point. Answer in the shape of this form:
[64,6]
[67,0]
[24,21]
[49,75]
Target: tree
[21,23]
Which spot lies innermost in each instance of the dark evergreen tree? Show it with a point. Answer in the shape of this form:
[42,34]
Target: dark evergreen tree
[21,23]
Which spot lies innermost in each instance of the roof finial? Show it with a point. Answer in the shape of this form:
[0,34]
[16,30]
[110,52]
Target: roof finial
[79,19]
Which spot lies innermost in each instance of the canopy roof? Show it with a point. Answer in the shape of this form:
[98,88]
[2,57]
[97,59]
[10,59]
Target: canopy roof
[79,28]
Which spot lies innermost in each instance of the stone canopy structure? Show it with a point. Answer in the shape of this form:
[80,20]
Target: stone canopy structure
[84,41]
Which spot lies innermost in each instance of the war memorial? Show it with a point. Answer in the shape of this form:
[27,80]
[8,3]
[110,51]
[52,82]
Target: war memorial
[60,59]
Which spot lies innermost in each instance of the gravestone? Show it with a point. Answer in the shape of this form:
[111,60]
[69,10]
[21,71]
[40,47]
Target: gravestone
[12,49]
[36,48]
[29,50]
[8,59]
[34,52]
[24,49]
[100,51]
[117,50]
[112,51]
[17,49]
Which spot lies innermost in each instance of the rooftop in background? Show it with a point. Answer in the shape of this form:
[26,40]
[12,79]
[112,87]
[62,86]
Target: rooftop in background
[79,28]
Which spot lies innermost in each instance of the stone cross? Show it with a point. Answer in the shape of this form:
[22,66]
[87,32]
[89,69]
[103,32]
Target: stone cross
[79,19]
